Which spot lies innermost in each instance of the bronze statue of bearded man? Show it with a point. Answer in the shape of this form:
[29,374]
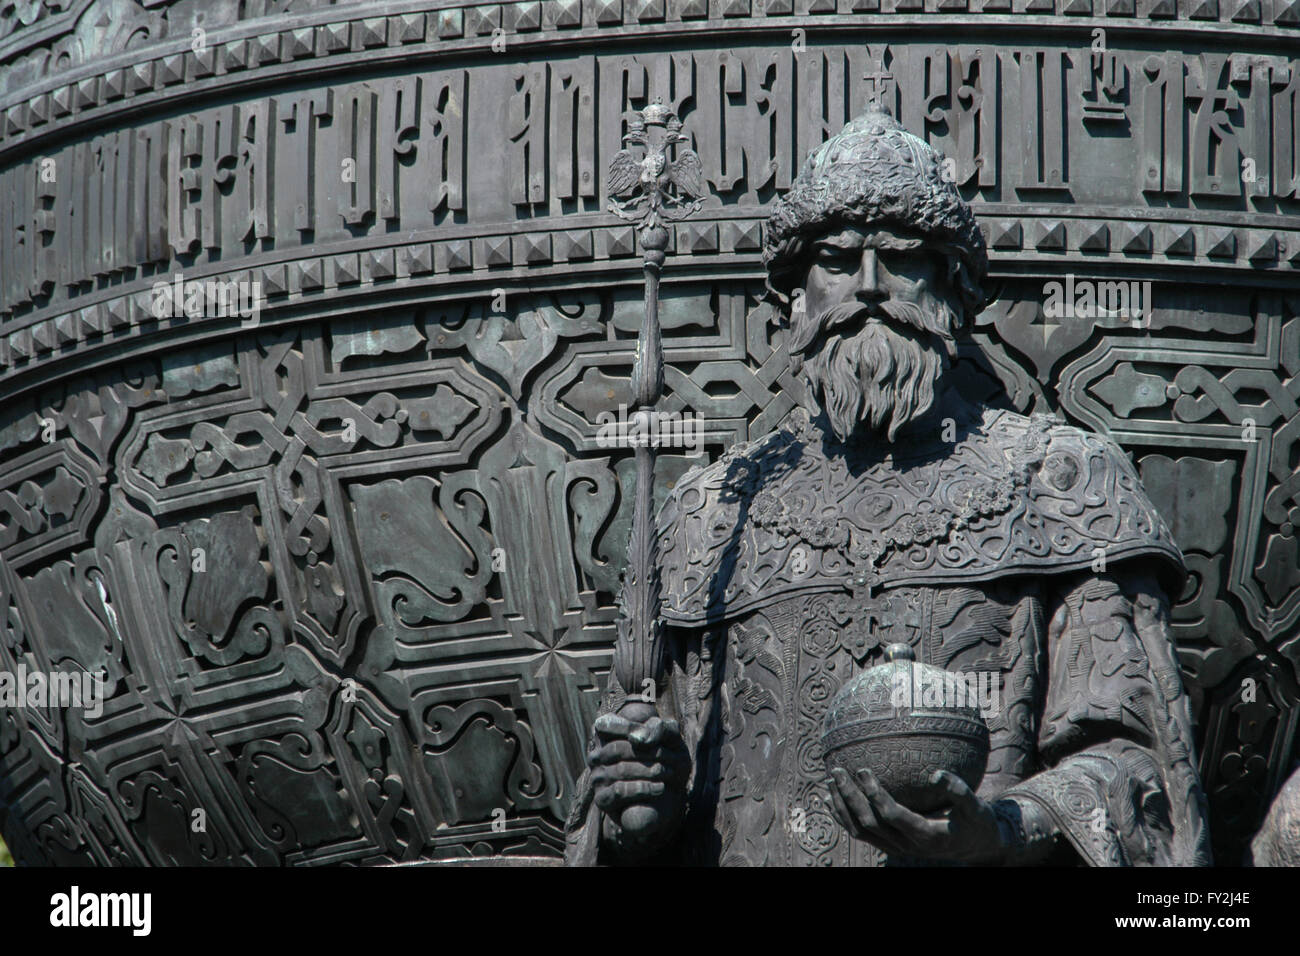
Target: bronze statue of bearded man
[891,510]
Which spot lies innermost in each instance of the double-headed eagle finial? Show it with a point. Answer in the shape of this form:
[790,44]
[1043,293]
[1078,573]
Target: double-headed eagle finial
[667,183]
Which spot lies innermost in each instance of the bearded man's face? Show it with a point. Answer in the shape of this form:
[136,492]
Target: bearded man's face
[874,329]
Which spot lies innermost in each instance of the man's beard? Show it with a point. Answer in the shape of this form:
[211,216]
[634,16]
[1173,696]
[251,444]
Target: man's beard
[874,373]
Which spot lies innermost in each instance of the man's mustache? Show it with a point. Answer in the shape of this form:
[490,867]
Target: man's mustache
[903,316]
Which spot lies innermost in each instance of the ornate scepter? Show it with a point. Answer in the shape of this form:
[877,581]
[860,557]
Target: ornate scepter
[666,184]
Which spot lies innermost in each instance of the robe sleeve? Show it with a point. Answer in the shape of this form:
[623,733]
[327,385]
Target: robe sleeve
[687,695]
[1118,775]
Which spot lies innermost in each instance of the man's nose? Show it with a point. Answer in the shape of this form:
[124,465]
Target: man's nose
[868,277]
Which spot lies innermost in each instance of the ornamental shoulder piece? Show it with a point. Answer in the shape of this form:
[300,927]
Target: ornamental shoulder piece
[1010,495]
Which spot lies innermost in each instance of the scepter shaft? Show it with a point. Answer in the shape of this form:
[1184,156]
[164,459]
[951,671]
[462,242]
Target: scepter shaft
[638,658]
[662,189]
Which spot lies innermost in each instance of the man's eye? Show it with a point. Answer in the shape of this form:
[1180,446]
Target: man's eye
[836,261]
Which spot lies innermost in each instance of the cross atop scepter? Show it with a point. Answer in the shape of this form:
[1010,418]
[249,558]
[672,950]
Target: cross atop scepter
[654,181]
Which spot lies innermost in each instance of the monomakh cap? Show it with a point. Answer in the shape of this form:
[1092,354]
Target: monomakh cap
[873,172]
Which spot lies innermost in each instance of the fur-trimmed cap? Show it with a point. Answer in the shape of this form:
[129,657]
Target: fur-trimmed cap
[873,172]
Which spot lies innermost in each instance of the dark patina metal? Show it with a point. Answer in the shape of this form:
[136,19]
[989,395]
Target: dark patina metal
[412,531]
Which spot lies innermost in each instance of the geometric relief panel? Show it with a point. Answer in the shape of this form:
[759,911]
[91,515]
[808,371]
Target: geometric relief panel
[352,586]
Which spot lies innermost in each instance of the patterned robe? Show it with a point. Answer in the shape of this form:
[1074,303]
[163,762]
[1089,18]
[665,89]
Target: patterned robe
[1018,548]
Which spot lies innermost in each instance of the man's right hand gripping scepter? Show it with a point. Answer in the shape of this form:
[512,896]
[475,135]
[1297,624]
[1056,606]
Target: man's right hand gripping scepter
[640,765]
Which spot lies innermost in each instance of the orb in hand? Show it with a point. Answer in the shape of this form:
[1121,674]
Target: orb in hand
[903,721]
